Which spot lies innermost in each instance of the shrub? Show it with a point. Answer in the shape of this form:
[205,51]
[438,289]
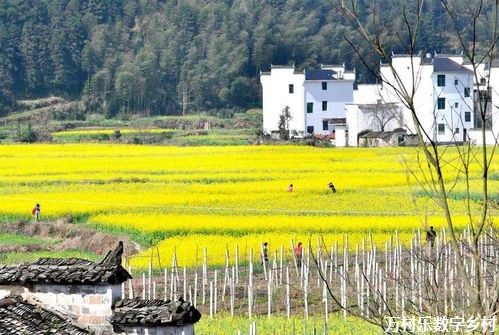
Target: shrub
[25,134]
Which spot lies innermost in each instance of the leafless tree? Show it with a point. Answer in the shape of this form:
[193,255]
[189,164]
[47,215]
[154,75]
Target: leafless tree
[441,170]
[381,114]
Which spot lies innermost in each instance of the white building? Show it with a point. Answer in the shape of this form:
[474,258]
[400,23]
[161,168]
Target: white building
[443,99]
[314,97]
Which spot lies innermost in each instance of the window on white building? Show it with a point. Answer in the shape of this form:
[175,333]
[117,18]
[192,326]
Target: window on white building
[310,129]
[466,92]
[325,125]
[456,131]
[456,104]
[441,128]
[324,105]
[291,88]
[456,82]
[467,116]
[441,103]
[441,80]
[483,81]
[310,107]
[324,85]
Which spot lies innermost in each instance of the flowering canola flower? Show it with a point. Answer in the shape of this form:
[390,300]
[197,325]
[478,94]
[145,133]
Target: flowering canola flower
[185,199]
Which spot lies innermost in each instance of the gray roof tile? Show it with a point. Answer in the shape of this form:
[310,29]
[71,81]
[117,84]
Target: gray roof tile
[19,316]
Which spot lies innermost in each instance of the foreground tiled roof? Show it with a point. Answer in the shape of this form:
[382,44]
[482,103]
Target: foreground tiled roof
[19,316]
[134,312]
[66,271]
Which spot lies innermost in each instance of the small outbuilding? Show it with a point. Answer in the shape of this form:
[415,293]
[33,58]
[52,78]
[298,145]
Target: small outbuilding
[83,288]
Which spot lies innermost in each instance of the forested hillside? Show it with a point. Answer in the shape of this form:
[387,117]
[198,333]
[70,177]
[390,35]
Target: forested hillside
[147,56]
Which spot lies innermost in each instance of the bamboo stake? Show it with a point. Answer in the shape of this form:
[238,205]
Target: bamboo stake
[195,289]
[237,264]
[211,300]
[215,292]
[143,286]
[149,280]
[184,286]
[166,283]
[288,299]
[250,284]
[130,285]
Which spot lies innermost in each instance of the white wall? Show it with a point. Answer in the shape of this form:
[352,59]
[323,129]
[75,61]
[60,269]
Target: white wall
[452,117]
[412,75]
[91,303]
[338,93]
[494,83]
[276,96]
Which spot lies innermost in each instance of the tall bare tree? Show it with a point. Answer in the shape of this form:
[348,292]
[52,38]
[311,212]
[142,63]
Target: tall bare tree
[441,169]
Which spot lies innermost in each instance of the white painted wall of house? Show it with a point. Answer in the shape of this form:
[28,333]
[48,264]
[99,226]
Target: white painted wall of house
[413,74]
[338,93]
[276,96]
[453,118]
[91,303]
[494,83]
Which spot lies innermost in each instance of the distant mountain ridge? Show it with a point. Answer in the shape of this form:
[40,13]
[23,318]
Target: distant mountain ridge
[158,57]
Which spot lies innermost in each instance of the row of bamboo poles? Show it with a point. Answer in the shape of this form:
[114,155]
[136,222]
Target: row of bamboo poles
[371,283]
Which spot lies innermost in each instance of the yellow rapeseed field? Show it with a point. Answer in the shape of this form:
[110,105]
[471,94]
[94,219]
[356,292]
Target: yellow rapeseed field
[190,198]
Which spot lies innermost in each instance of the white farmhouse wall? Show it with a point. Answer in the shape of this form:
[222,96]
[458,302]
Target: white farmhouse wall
[452,117]
[276,96]
[337,94]
[494,83]
[351,115]
[368,94]
[91,303]
[158,330]
[414,73]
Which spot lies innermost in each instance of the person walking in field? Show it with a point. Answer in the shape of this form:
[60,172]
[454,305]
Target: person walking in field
[265,253]
[298,252]
[331,187]
[36,212]
[431,236]
[290,188]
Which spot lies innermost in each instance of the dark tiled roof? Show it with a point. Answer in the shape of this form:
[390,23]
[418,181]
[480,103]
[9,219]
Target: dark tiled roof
[133,312]
[336,120]
[447,65]
[67,271]
[383,134]
[320,75]
[19,316]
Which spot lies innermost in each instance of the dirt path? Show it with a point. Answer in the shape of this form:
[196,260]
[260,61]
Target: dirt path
[68,236]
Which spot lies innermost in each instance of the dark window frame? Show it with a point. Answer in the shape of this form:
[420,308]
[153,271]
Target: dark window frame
[441,80]
[324,106]
[310,107]
[441,128]
[441,103]
[324,85]
[467,116]
[325,125]
[466,92]
[310,129]
[291,88]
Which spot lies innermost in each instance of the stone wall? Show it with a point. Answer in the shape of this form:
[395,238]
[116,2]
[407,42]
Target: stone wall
[159,330]
[91,304]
